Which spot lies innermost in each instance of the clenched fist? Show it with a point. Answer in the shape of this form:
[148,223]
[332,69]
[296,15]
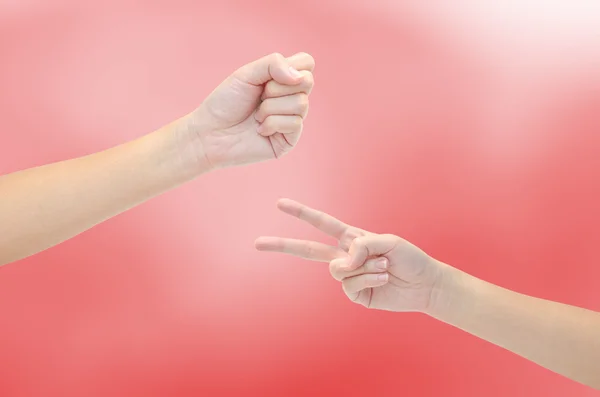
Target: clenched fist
[256,114]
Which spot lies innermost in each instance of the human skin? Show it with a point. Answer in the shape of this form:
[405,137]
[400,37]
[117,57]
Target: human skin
[386,272]
[256,114]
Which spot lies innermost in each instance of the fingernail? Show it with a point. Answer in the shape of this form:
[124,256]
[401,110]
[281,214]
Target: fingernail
[381,263]
[296,74]
[382,277]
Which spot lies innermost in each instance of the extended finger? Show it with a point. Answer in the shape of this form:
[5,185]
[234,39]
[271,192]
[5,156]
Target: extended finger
[310,250]
[322,221]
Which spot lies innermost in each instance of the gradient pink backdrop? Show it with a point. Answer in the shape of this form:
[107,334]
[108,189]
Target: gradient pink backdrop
[469,128]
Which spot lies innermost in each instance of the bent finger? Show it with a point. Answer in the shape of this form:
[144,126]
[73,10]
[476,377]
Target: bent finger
[356,284]
[281,124]
[371,266]
[273,89]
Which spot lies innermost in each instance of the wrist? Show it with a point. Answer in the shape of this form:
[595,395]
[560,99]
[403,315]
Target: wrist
[186,132]
[453,288]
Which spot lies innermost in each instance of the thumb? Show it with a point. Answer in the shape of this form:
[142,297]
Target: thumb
[368,246]
[271,67]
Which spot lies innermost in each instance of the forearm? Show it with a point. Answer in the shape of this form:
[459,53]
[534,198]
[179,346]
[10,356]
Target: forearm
[562,338]
[41,207]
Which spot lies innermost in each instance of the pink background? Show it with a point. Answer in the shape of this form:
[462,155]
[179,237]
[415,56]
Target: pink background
[470,129]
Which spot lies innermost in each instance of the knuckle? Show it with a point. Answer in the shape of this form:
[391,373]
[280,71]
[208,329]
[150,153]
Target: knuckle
[391,237]
[271,88]
[309,58]
[259,115]
[346,287]
[303,101]
[276,56]
[268,122]
[359,242]
[355,233]
[348,238]
[333,270]
[265,106]
[341,274]
[311,250]
[309,79]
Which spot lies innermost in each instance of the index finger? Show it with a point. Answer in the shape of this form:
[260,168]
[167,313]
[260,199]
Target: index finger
[322,221]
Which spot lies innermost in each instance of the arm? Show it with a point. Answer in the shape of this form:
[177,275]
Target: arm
[41,207]
[241,122]
[562,338]
[386,272]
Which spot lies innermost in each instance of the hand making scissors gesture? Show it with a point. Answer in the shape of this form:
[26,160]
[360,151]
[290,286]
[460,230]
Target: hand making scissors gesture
[380,271]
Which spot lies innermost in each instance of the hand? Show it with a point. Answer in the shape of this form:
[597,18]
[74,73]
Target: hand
[257,113]
[379,271]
